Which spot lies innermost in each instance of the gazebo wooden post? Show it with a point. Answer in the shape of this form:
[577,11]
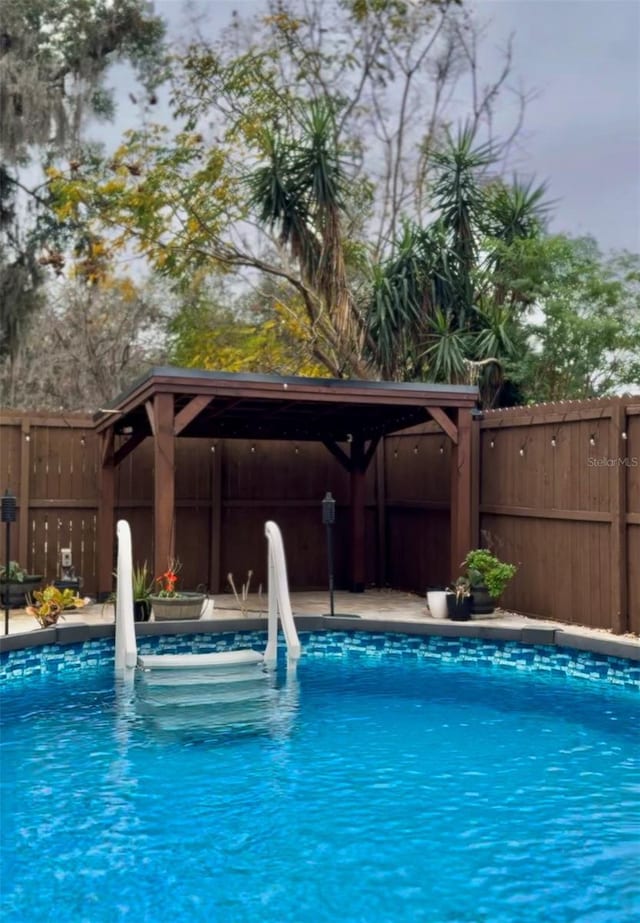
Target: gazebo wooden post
[357,516]
[162,416]
[461,492]
[106,502]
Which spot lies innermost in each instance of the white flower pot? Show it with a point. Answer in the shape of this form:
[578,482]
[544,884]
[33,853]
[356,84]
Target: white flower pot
[437,603]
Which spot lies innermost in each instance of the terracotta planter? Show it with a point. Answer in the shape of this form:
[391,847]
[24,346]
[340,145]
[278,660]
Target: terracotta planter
[173,608]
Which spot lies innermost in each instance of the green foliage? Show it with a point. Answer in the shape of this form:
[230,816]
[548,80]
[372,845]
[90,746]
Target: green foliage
[55,55]
[275,172]
[49,603]
[584,338]
[142,582]
[53,64]
[15,574]
[292,114]
[259,334]
[462,589]
[485,568]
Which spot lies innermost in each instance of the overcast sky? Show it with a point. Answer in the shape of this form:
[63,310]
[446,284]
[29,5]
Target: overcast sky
[582,129]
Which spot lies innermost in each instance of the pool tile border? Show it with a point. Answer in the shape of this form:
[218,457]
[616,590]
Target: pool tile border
[551,651]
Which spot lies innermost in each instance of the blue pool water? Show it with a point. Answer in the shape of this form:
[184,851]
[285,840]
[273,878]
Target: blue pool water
[370,788]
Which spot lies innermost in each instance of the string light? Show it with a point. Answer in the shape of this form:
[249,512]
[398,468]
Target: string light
[592,439]
[442,450]
[253,448]
[522,451]
[624,436]
[415,450]
[553,441]
[492,444]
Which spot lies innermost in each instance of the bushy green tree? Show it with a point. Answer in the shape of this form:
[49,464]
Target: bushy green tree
[295,161]
[54,56]
[583,334]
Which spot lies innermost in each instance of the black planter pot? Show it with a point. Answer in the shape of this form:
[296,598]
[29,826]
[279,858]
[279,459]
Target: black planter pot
[18,592]
[459,610]
[141,610]
[482,604]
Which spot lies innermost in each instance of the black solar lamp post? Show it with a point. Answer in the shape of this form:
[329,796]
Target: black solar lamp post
[328,519]
[8,516]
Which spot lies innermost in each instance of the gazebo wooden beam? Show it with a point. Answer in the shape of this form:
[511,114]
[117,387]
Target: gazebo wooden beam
[357,465]
[106,502]
[444,422]
[127,447]
[338,453]
[461,493]
[195,407]
[163,482]
[357,516]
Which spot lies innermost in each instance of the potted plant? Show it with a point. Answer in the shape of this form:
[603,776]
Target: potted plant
[170,604]
[437,603]
[17,583]
[459,600]
[488,577]
[142,588]
[48,604]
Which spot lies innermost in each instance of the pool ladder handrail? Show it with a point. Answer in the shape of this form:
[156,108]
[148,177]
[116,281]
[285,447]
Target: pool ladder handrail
[279,599]
[126,654]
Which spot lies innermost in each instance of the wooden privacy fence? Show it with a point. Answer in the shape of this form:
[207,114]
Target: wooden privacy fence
[559,494]
[557,491]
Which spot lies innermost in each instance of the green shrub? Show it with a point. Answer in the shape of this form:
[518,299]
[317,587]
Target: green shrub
[484,567]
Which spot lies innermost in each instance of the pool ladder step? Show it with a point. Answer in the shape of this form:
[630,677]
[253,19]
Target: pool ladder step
[197,699]
[225,661]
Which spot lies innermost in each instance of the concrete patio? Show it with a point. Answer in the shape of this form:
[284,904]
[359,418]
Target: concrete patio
[385,610]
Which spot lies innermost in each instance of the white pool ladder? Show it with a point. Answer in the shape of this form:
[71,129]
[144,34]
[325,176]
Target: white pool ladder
[235,665]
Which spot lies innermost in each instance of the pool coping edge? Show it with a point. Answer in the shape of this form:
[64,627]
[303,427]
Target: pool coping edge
[561,637]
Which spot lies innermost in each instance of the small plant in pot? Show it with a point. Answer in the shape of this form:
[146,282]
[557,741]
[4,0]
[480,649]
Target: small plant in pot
[142,588]
[48,604]
[459,600]
[17,584]
[489,577]
[169,603]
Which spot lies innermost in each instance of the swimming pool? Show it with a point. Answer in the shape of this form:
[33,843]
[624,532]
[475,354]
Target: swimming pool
[390,780]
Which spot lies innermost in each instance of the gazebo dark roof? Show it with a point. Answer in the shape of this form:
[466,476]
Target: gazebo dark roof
[250,406]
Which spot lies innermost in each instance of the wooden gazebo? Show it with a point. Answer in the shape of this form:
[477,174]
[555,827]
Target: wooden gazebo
[348,417]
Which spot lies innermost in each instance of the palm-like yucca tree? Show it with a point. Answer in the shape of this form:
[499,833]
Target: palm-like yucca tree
[459,198]
[300,193]
[433,312]
[439,309]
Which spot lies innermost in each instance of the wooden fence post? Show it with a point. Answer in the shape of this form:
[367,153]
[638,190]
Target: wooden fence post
[381,516]
[24,499]
[215,518]
[106,514]
[461,503]
[618,545]
[476,479]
